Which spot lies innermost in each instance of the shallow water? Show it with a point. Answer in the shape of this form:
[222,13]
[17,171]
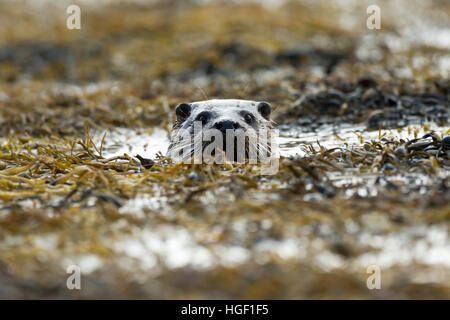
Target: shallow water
[292,140]
[146,143]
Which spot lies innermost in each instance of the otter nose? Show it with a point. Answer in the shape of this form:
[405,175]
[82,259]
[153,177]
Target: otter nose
[226,124]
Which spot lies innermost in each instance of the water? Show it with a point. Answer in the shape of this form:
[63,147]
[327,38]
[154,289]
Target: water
[292,141]
[146,143]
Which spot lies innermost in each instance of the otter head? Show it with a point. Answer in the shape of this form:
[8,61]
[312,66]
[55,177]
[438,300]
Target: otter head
[220,117]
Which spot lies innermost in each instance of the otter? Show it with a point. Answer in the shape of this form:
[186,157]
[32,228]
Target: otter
[225,122]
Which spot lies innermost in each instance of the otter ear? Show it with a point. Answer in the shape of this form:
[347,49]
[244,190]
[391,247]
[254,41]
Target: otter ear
[183,110]
[264,109]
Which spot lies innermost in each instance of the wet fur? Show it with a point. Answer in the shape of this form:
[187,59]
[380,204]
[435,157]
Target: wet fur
[220,109]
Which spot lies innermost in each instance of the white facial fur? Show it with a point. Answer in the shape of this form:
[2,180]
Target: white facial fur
[199,119]
[225,109]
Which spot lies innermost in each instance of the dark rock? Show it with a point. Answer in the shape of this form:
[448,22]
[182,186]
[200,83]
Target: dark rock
[384,118]
[146,163]
[307,56]
[367,82]
[446,142]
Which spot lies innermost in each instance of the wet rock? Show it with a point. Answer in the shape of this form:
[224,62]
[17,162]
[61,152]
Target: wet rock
[419,145]
[401,151]
[387,166]
[384,118]
[446,143]
[307,56]
[238,51]
[146,163]
[432,99]
[324,103]
[367,82]
[39,58]
[62,100]
[390,100]
[193,176]
[365,101]
[32,53]
[147,95]
[428,144]
[110,198]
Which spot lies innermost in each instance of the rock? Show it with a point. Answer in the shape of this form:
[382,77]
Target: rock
[367,82]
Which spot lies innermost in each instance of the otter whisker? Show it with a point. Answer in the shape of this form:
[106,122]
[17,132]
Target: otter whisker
[201,90]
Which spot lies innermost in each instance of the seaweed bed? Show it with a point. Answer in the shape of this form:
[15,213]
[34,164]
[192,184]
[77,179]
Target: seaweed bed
[364,173]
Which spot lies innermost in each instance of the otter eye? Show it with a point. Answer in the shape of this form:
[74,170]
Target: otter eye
[203,117]
[248,118]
